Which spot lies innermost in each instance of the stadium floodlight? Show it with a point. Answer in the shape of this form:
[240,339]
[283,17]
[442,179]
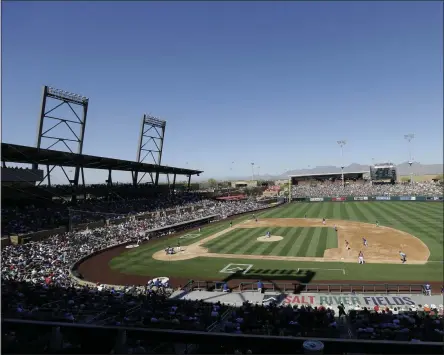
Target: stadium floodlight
[341,144]
[252,171]
[154,121]
[409,137]
[66,95]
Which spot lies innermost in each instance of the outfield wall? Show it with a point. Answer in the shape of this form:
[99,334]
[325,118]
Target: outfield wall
[368,198]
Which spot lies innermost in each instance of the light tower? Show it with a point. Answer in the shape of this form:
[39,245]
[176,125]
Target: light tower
[252,171]
[341,144]
[409,137]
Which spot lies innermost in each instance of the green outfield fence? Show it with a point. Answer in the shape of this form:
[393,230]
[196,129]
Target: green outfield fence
[368,198]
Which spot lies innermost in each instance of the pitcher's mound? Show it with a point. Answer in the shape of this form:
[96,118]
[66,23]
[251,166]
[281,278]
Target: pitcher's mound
[272,238]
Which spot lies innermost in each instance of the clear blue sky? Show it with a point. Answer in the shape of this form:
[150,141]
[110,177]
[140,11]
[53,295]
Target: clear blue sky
[274,83]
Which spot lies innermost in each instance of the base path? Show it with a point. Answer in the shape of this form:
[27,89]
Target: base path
[384,243]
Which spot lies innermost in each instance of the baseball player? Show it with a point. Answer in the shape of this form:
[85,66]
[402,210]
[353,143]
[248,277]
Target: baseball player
[364,241]
[347,245]
[323,221]
[305,215]
[336,228]
[231,224]
[361,258]
[427,290]
[377,223]
[255,218]
[403,257]
[268,235]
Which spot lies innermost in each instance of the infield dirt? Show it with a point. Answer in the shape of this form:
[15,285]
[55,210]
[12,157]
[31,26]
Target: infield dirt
[384,243]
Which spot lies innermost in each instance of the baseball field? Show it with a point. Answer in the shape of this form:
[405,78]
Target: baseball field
[300,247]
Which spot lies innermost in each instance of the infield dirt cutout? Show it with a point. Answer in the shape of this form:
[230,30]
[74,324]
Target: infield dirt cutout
[384,243]
[271,238]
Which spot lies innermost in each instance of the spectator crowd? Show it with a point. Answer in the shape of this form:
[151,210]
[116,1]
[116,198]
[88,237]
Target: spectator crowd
[335,189]
[27,219]
[47,261]
[36,283]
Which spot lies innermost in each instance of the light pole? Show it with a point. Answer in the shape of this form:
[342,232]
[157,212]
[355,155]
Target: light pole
[409,138]
[341,144]
[252,171]
[231,168]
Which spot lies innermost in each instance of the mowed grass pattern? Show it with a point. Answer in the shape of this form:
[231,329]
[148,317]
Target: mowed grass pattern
[421,219]
[299,241]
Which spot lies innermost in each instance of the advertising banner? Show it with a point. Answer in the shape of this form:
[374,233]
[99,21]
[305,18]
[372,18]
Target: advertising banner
[405,198]
[382,198]
[316,199]
[435,198]
[338,199]
[298,199]
[361,198]
[317,299]
[413,198]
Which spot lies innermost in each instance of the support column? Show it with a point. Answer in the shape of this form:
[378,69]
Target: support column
[83,184]
[189,182]
[134,175]
[174,183]
[48,175]
[110,178]
[289,189]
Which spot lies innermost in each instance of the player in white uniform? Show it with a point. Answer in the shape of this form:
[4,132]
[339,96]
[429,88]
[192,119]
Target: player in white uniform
[403,257]
[268,235]
[361,258]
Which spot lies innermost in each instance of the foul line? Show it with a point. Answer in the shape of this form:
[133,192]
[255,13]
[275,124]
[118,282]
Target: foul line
[318,268]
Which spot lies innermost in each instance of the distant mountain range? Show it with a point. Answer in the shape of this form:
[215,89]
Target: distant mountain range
[403,169]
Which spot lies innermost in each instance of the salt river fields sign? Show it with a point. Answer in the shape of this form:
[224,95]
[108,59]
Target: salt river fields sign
[316,299]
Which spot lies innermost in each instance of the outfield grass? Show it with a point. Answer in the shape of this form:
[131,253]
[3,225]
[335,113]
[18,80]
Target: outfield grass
[299,241]
[421,219]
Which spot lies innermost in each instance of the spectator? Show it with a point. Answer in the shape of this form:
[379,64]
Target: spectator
[365,188]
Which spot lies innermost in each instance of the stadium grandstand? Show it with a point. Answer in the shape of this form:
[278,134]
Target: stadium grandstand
[49,305]
[307,179]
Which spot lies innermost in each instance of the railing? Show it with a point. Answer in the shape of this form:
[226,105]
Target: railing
[258,343]
[365,288]
[311,287]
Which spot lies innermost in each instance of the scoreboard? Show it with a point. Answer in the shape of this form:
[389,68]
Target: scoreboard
[383,173]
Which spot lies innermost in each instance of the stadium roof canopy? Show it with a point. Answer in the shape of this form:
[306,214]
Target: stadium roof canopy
[331,174]
[28,155]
